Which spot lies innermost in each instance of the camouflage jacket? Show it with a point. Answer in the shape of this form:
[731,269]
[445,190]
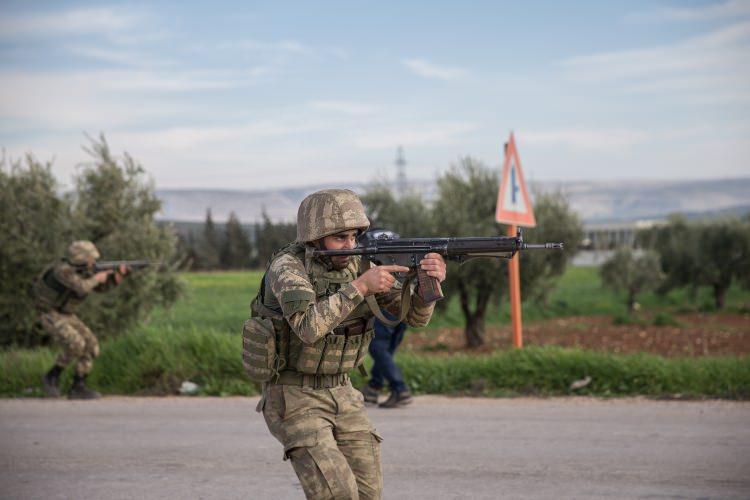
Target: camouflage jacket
[310,315]
[64,287]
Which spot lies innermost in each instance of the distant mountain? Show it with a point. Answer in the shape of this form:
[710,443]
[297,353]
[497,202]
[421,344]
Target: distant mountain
[631,200]
[596,202]
[279,204]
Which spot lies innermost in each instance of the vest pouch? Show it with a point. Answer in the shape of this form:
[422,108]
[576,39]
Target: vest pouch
[331,363]
[351,353]
[259,356]
[363,346]
[310,356]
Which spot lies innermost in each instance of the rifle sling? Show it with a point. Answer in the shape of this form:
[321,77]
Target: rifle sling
[405,300]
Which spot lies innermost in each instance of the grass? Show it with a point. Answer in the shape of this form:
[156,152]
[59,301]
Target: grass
[151,363]
[579,292]
[221,301]
[198,340]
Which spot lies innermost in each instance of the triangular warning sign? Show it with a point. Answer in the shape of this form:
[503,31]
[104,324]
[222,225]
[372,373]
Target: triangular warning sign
[513,203]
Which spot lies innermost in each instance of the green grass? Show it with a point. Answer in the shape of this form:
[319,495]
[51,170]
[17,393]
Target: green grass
[579,292]
[221,301]
[156,363]
[198,339]
[214,301]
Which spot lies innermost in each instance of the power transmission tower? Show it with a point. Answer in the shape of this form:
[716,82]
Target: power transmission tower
[400,172]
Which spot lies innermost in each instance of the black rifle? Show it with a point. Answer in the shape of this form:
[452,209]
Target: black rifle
[113,265]
[382,248]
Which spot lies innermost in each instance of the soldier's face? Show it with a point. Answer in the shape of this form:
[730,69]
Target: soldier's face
[338,241]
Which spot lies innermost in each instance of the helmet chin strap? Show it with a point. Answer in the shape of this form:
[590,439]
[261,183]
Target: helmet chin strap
[318,245]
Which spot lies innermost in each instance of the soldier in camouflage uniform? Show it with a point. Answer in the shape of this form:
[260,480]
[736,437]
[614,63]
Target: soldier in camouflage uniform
[60,291]
[322,327]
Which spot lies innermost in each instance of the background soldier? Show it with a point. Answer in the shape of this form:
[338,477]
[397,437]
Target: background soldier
[60,291]
[323,327]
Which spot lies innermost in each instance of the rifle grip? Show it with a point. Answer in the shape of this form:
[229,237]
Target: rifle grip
[428,288]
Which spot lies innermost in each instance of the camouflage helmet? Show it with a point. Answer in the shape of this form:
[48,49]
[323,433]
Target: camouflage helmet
[82,252]
[328,212]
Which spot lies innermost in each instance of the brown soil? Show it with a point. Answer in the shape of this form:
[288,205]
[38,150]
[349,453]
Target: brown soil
[697,335]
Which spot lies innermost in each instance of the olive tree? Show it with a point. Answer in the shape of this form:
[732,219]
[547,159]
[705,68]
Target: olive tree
[466,207]
[34,230]
[712,254]
[113,206]
[408,215]
[632,274]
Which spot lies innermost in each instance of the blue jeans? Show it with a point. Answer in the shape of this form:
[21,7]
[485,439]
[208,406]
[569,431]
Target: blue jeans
[382,349]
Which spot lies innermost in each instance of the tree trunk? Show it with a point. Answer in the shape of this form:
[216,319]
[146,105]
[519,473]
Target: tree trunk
[474,331]
[631,302]
[720,293]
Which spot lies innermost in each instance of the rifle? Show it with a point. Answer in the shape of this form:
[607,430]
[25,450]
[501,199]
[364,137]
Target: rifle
[113,265]
[383,247]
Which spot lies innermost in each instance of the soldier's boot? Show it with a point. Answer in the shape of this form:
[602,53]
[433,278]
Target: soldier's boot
[51,382]
[371,394]
[80,391]
[396,399]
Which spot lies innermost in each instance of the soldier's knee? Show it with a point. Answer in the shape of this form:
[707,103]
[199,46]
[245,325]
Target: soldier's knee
[73,342]
[323,473]
[92,347]
[362,450]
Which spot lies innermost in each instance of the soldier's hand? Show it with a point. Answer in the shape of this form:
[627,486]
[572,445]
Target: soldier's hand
[434,264]
[124,269]
[378,279]
[102,276]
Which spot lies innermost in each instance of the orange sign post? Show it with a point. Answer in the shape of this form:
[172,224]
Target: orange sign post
[514,208]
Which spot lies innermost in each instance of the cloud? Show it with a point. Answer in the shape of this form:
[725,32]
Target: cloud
[79,21]
[617,140]
[731,9]
[586,140]
[290,46]
[119,56]
[344,107]
[427,69]
[714,65]
[417,135]
[281,48]
[214,138]
[104,99]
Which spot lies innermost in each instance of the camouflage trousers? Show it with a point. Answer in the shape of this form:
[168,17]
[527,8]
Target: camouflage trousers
[75,339]
[327,436]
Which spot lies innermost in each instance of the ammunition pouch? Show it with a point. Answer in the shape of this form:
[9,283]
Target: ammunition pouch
[259,356]
[338,352]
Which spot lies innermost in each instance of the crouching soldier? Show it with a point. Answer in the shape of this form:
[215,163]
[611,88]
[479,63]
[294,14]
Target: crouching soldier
[60,291]
[311,326]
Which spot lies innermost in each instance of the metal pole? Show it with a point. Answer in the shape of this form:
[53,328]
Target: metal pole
[514,283]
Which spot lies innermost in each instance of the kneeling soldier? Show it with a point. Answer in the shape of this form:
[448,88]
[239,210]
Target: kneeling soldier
[310,326]
[60,291]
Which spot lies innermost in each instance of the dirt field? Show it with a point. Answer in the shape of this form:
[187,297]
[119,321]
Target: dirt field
[695,335]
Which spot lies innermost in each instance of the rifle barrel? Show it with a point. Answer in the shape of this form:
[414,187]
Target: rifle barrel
[542,246]
[114,264]
[448,247]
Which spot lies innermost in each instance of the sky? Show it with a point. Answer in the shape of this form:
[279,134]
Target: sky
[257,95]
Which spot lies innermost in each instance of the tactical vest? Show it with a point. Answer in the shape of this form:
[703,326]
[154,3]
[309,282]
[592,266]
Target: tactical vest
[271,348]
[51,293]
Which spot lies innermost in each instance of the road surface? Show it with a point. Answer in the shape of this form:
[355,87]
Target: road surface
[440,448]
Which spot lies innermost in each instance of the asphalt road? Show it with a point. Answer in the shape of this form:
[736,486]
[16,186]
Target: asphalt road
[438,448]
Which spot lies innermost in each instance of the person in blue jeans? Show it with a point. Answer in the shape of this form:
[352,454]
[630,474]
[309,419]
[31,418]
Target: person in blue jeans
[382,349]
